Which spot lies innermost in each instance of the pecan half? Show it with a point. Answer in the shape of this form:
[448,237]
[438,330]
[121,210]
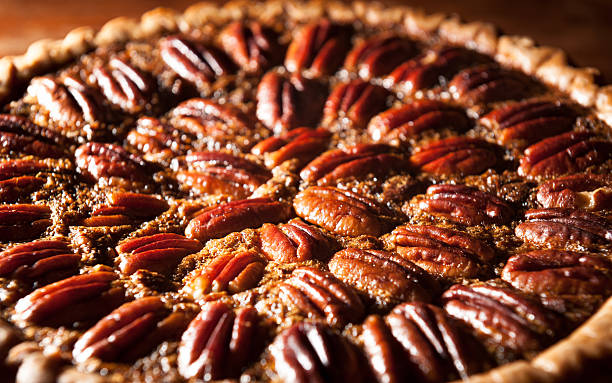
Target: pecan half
[20,136]
[585,191]
[455,155]
[126,208]
[219,342]
[96,160]
[353,162]
[489,83]
[466,205]
[418,340]
[559,272]
[222,219]
[382,276]
[309,352]
[301,144]
[234,272]
[558,227]
[503,318]
[221,173]
[288,102]
[442,251]
[68,101]
[319,47]
[343,212]
[193,61]
[70,301]
[159,142]
[252,46]
[21,177]
[124,85]
[130,331]
[429,71]
[23,221]
[320,295]
[570,152]
[206,118]
[357,101]
[400,124]
[41,261]
[294,241]
[530,121]
[379,55]
[159,252]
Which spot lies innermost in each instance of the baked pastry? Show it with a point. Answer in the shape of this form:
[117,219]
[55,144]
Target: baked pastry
[287,191]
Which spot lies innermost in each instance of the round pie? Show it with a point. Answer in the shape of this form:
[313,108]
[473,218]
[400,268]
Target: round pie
[303,192]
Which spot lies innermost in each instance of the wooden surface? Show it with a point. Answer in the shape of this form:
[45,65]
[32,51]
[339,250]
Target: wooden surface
[583,28]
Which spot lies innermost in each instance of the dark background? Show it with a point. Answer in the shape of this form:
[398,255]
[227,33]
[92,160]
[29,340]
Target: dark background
[583,28]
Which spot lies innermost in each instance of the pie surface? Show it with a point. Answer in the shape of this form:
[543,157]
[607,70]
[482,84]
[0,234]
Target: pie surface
[303,192]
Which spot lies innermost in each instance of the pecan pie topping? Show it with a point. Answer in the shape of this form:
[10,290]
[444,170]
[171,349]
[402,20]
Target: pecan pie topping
[302,192]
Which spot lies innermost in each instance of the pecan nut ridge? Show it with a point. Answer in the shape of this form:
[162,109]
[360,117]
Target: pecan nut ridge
[398,125]
[585,191]
[193,61]
[489,83]
[381,276]
[502,317]
[219,342]
[130,331]
[343,212]
[379,55]
[252,46]
[308,352]
[159,252]
[221,173]
[466,205]
[21,177]
[530,121]
[558,227]
[39,260]
[320,295]
[301,144]
[442,251]
[418,340]
[288,102]
[125,208]
[222,219]
[559,272]
[98,161]
[68,101]
[123,85]
[357,101]
[19,135]
[234,272]
[455,155]
[89,296]
[23,221]
[319,48]
[294,241]
[433,69]
[562,154]
[203,117]
[353,162]
[159,142]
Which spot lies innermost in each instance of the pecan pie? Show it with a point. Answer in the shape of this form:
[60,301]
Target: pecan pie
[303,192]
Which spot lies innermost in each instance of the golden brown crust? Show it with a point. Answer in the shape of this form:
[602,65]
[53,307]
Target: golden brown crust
[593,340]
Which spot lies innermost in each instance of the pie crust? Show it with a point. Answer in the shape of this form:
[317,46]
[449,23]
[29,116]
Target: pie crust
[591,342]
